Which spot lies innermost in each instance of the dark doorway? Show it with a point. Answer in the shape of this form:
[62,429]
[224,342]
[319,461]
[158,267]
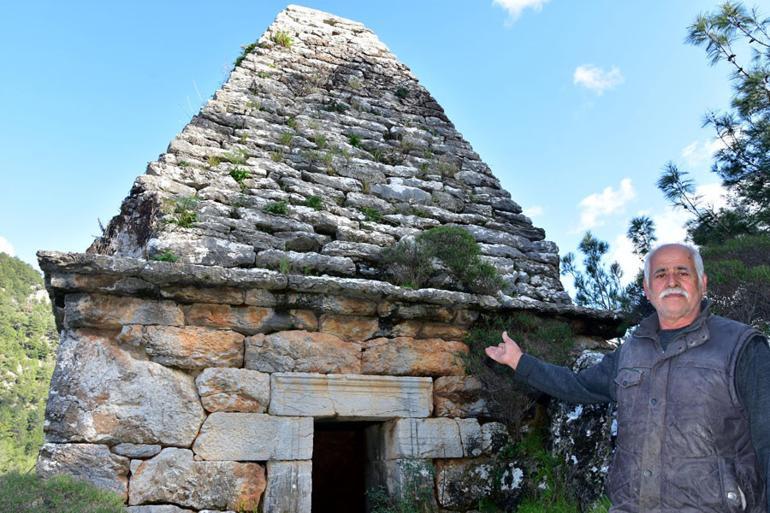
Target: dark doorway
[339,464]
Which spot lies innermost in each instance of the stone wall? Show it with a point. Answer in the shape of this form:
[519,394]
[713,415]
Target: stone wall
[198,388]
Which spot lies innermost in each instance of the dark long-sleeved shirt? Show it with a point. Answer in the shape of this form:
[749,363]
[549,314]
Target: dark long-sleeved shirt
[596,385]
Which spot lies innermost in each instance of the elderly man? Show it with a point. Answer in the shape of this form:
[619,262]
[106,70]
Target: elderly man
[693,397]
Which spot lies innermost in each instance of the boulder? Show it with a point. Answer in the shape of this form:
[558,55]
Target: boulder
[240,390]
[89,462]
[302,351]
[101,393]
[173,476]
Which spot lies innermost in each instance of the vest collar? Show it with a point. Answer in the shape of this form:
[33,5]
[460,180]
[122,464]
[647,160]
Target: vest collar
[691,336]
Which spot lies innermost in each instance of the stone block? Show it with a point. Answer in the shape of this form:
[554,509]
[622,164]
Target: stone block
[158,508]
[302,351]
[89,462]
[430,438]
[289,486]
[404,478]
[407,356]
[136,450]
[104,311]
[234,390]
[248,320]
[100,393]
[224,295]
[254,437]
[460,484]
[193,347]
[459,396]
[173,476]
[349,327]
[494,436]
[350,396]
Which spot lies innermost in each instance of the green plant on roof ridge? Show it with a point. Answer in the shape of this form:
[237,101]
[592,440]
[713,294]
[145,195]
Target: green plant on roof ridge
[282,38]
[402,92]
[371,214]
[238,156]
[247,49]
[354,140]
[239,175]
[213,160]
[277,207]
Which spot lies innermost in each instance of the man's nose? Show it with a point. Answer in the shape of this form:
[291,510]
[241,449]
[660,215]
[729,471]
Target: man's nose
[671,279]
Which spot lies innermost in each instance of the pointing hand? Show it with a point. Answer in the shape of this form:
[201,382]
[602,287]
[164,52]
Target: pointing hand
[506,352]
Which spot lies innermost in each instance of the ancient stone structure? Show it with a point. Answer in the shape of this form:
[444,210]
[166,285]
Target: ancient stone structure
[236,377]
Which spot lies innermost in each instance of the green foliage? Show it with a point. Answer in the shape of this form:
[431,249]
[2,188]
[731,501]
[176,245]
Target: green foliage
[320,141]
[354,140]
[27,345]
[641,233]
[416,495]
[165,256]
[277,207]
[739,279]
[411,261]
[292,123]
[402,92]
[284,266]
[184,164]
[238,156]
[596,286]
[27,493]
[239,175]
[371,214]
[247,49]
[185,214]
[254,105]
[282,38]
[601,506]
[276,156]
[314,202]
[285,138]
[213,160]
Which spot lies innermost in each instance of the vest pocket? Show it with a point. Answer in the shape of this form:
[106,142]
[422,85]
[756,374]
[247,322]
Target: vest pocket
[732,496]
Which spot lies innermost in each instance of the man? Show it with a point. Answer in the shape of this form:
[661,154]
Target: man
[693,397]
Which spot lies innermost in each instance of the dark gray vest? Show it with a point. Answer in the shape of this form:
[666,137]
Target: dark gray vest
[683,438]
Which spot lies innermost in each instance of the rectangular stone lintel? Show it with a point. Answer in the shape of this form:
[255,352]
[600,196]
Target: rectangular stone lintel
[353,396]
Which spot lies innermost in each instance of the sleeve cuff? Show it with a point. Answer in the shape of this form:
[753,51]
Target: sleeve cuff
[526,364]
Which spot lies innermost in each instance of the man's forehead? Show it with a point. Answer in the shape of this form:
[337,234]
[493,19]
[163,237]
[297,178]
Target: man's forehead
[672,258]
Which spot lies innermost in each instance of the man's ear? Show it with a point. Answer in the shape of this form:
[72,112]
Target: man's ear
[646,290]
[704,284]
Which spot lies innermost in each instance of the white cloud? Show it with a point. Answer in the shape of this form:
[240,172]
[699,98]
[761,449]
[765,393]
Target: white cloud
[596,79]
[622,252]
[699,152]
[602,204]
[516,7]
[7,247]
[533,211]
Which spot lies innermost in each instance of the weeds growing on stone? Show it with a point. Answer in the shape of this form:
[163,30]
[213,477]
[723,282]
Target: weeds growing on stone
[185,214]
[282,38]
[165,256]
[314,202]
[239,175]
[277,207]
[276,156]
[238,156]
[402,92]
[354,140]
[213,160]
[292,123]
[416,494]
[183,164]
[285,138]
[371,214]
[247,49]
[254,105]
[320,141]
[284,266]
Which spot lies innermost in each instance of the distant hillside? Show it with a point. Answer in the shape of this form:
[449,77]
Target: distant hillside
[27,345]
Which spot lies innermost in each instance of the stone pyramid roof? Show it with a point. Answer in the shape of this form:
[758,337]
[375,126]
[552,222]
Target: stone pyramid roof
[319,151]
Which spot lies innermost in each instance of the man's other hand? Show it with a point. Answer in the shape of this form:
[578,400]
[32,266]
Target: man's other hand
[506,352]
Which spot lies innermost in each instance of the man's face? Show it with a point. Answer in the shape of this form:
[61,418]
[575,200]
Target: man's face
[673,289]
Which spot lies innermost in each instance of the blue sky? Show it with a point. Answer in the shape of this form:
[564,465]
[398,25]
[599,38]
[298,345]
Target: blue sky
[576,106]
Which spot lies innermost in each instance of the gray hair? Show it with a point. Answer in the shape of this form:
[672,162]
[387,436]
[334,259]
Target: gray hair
[692,250]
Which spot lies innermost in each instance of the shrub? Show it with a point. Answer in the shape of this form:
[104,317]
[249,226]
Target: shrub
[185,214]
[239,174]
[277,207]
[354,140]
[402,92]
[416,494]
[286,138]
[27,493]
[247,49]
[314,202]
[239,156]
[371,214]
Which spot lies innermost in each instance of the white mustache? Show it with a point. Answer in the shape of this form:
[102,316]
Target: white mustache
[674,290]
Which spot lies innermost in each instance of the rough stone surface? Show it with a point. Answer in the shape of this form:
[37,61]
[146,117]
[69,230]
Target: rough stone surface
[411,169]
[460,484]
[431,438]
[190,347]
[349,327]
[407,356]
[289,486]
[89,462]
[174,477]
[400,477]
[101,393]
[254,437]
[459,396]
[240,390]
[103,311]
[136,450]
[247,320]
[160,508]
[302,351]
[349,395]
